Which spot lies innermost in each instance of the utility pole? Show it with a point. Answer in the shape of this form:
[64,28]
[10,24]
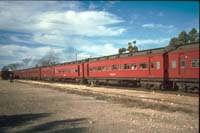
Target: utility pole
[76,56]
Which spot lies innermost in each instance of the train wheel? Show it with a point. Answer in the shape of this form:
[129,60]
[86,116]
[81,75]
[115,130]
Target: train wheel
[186,89]
[176,87]
[161,87]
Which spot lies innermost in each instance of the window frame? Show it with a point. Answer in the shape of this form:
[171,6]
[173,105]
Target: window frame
[114,67]
[173,64]
[126,66]
[141,68]
[133,66]
[158,65]
[152,63]
[181,64]
[119,66]
[196,63]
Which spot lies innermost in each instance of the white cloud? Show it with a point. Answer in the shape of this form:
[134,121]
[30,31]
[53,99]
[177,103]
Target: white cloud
[19,15]
[152,41]
[100,50]
[12,49]
[18,39]
[21,52]
[152,25]
[50,39]
[148,25]
[86,23]
[44,17]
[164,28]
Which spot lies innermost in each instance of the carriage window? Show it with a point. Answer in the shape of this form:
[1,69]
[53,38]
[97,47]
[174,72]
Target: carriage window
[114,67]
[134,67]
[152,65]
[99,68]
[126,66]
[143,66]
[119,67]
[94,69]
[195,63]
[60,71]
[182,63]
[173,64]
[103,68]
[108,67]
[157,65]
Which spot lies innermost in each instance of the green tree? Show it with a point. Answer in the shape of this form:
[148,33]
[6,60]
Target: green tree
[121,50]
[135,48]
[193,35]
[130,47]
[183,37]
[5,68]
[174,42]
[11,67]
[197,39]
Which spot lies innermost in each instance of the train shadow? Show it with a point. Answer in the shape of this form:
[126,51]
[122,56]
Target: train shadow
[15,122]
[7,121]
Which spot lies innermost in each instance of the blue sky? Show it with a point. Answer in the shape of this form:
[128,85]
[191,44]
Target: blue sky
[30,30]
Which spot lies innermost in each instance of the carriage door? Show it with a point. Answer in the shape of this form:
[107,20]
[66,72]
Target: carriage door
[78,70]
[83,73]
[87,69]
[182,65]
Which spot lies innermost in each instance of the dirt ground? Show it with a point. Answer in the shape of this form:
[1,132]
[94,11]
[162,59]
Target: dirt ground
[44,107]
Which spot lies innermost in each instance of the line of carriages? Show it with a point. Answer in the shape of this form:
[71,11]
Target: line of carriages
[168,68]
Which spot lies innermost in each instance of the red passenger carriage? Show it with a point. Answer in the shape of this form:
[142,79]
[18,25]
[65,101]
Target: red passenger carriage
[183,69]
[47,73]
[66,71]
[33,73]
[130,68]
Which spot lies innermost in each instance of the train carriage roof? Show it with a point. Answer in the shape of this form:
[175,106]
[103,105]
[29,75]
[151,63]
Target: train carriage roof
[190,46]
[162,50]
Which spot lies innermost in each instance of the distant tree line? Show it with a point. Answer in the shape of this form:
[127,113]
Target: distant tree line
[11,67]
[51,58]
[183,38]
